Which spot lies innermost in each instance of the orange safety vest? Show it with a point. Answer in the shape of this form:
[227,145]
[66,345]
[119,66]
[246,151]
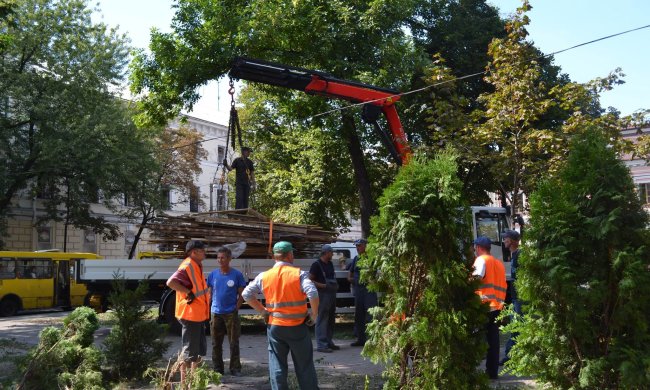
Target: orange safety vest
[285,300]
[493,289]
[199,309]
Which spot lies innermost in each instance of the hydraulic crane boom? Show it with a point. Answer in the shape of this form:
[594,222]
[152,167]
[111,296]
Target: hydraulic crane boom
[319,83]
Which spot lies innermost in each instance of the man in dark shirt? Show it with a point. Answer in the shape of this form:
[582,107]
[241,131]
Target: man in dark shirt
[244,177]
[511,240]
[363,298]
[323,275]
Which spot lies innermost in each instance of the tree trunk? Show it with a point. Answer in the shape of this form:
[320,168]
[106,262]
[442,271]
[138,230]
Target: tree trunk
[136,239]
[366,203]
[67,216]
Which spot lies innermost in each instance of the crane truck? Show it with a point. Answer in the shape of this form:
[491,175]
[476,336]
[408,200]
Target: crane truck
[487,221]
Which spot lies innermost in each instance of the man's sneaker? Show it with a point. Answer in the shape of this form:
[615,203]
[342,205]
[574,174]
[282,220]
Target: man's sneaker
[334,347]
[325,350]
[357,344]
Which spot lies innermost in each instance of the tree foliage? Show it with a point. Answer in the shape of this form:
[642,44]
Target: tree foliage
[65,357]
[521,127]
[61,127]
[172,160]
[136,341]
[425,331]
[583,276]
[359,40]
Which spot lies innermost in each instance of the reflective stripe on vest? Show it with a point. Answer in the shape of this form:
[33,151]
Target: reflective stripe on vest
[199,309]
[285,300]
[493,289]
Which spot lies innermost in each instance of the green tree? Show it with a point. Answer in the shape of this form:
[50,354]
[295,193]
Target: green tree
[65,357]
[346,39]
[583,276]
[136,341]
[173,160]
[60,124]
[521,129]
[418,255]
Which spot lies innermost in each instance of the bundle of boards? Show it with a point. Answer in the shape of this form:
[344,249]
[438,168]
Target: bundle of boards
[218,228]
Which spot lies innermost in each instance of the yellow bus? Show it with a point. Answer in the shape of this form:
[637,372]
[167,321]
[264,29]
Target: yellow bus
[39,280]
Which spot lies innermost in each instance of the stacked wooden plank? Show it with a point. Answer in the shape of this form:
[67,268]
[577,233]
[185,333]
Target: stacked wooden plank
[227,227]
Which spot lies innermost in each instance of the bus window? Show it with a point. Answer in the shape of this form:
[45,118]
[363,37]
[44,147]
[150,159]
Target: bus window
[35,269]
[7,268]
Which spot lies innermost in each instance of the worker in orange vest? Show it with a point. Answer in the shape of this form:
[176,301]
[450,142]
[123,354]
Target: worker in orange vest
[192,305]
[492,292]
[286,289]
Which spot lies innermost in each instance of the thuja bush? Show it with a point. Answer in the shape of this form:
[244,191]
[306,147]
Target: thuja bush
[428,330]
[584,277]
[136,341]
[65,357]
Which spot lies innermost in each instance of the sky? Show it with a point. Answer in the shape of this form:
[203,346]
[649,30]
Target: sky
[555,25]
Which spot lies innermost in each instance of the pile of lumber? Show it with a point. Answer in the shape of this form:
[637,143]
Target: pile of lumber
[219,228]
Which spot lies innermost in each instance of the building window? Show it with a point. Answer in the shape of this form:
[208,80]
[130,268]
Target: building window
[194,199]
[90,242]
[221,200]
[221,154]
[644,193]
[166,195]
[43,238]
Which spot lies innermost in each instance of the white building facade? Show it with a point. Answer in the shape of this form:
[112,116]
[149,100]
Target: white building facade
[210,194]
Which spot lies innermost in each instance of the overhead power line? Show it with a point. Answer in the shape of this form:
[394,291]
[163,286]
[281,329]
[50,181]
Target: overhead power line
[451,80]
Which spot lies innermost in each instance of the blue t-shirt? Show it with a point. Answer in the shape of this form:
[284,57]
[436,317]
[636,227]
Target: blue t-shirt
[225,290]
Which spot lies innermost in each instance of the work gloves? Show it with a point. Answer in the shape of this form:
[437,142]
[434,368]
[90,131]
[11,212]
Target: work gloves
[190,297]
[225,162]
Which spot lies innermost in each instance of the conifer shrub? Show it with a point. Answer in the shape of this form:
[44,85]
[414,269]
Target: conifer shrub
[136,341]
[429,329]
[584,278]
[65,357]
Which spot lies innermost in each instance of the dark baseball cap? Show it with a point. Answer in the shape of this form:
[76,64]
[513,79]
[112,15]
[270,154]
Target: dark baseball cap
[326,248]
[194,244]
[483,241]
[360,241]
[512,234]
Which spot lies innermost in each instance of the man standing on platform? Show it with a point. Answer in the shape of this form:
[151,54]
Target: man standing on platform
[226,285]
[286,289]
[244,177]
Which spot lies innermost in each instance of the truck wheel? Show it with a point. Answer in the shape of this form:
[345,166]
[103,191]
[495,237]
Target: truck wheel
[9,307]
[97,301]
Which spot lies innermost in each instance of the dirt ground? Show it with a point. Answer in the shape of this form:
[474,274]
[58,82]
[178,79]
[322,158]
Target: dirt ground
[341,370]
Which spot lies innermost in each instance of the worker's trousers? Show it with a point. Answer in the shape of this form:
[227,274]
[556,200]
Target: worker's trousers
[326,318]
[242,193]
[297,340]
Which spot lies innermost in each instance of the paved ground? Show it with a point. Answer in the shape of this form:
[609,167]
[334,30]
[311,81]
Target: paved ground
[343,369]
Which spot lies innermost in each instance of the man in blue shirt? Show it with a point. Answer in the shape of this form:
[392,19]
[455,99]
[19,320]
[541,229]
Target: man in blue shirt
[226,285]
